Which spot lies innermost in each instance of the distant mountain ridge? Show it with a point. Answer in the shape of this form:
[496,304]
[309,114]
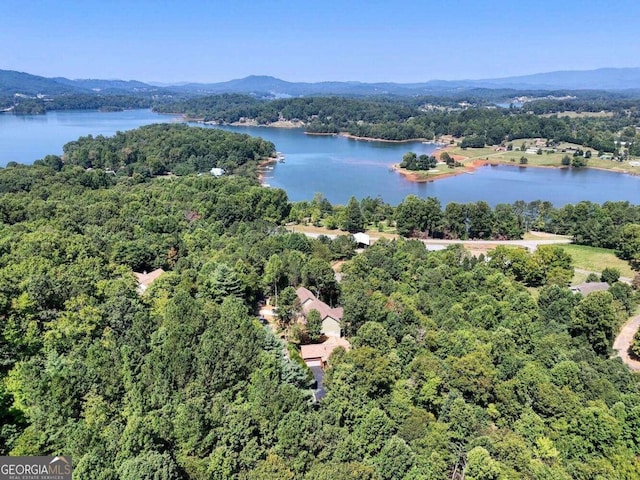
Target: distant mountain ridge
[600,79]
[100,85]
[12,82]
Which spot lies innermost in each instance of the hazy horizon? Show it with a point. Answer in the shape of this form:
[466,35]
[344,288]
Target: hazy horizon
[185,82]
[413,41]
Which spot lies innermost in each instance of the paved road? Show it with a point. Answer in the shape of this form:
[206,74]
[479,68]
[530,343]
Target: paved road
[438,244]
[528,244]
[623,342]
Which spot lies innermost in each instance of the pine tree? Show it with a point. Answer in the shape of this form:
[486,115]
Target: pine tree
[353,219]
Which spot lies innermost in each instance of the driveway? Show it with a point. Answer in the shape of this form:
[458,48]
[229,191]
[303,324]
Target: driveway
[623,342]
[318,374]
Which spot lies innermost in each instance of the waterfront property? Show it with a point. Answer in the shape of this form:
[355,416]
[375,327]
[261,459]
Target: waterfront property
[340,167]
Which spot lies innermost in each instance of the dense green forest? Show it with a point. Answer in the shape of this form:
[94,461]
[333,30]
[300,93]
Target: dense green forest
[469,114]
[604,102]
[613,225]
[401,119]
[76,101]
[162,148]
[484,367]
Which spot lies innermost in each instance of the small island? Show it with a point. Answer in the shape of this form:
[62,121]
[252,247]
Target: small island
[426,168]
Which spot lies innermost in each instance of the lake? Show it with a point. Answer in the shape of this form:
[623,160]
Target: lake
[335,166]
[27,138]
[340,167]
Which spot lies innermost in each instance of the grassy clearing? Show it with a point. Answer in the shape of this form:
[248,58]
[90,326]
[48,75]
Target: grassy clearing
[325,231]
[578,278]
[597,259]
[547,159]
[543,236]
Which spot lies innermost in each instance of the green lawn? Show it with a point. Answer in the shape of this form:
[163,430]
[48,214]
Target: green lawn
[578,278]
[543,236]
[597,259]
[544,160]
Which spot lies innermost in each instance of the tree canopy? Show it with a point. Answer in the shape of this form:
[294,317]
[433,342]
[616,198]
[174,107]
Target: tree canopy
[486,366]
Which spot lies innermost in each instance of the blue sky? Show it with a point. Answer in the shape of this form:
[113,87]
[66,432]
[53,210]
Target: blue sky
[399,41]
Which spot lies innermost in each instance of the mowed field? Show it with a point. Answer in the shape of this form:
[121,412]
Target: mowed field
[546,159]
[596,259]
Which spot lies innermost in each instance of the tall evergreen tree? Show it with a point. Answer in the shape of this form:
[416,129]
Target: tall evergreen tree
[353,219]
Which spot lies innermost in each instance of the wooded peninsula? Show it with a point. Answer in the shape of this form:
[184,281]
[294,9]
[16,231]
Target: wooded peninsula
[389,118]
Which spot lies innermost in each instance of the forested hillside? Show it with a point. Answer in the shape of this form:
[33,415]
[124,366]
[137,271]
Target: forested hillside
[422,117]
[456,366]
[162,148]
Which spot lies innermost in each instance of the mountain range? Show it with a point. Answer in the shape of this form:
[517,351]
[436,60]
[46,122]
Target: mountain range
[612,79]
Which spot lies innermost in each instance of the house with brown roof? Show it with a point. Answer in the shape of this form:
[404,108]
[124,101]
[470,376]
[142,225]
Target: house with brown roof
[146,279]
[331,317]
[316,355]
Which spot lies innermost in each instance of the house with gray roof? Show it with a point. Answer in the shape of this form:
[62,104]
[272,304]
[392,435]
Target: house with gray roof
[589,287]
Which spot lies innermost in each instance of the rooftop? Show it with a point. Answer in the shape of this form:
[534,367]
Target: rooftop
[323,350]
[363,238]
[589,287]
[309,302]
[304,294]
[145,279]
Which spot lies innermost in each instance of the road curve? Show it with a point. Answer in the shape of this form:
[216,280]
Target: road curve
[623,342]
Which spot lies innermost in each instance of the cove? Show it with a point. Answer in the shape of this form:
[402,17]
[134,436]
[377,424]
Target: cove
[339,167]
[335,166]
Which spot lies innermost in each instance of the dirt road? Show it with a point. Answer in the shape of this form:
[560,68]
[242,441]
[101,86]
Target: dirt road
[624,340]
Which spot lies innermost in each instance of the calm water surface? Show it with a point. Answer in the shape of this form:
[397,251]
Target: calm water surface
[27,138]
[335,166]
[340,167]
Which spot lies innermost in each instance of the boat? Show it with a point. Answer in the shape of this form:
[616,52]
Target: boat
[280,157]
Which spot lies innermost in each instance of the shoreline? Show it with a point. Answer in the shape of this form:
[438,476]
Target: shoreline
[372,139]
[264,163]
[413,176]
[293,125]
[470,166]
[417,176]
